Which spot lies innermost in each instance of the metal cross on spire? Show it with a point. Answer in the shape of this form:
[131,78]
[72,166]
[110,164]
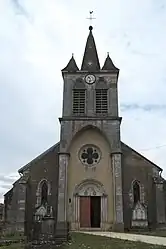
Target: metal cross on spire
[90,17]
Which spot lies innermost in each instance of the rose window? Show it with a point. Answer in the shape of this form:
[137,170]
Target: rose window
[90,155]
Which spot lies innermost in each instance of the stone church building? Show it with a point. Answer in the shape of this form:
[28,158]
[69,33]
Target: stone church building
[90,179]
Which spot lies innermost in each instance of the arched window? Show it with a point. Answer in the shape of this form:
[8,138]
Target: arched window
[136,192]
[44,193]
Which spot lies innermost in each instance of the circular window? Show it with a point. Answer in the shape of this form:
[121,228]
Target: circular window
[89,155]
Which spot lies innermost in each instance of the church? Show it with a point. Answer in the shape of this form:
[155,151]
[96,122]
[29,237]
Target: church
[90,179]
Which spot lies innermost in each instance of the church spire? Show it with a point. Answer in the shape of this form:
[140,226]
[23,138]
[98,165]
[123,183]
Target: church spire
[109,65]
[71,66]
[90,60]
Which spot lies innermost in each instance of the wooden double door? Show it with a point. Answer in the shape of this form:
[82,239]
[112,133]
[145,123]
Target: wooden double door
[90,211]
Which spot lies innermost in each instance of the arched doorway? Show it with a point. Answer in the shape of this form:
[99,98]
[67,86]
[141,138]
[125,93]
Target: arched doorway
[90,205]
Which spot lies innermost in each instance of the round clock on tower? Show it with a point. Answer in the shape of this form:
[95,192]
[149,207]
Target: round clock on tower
[90,79]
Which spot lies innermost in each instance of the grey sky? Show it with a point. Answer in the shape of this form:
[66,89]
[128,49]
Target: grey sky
[37,38]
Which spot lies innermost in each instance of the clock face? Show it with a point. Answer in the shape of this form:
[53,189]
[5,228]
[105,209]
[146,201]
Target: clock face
[90,78]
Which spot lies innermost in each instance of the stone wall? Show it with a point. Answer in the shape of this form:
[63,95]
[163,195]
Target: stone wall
[136,167]
[46,167]
[108,125]
[103,80]
[160,200]
[11,208]
[1,211]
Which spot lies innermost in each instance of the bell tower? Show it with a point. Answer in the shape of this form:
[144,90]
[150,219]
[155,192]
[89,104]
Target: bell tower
[90,98]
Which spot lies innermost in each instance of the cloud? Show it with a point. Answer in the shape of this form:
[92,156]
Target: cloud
[6,183]
[6,187]
[19,9]
[146,108]
[7,179]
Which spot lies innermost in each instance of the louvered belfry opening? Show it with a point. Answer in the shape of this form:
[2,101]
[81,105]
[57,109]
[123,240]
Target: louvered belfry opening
[101,101]
[78,101]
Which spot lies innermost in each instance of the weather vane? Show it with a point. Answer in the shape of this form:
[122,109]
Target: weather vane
[90,17]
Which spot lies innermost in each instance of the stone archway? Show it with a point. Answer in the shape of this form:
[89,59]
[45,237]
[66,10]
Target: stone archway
[89,188]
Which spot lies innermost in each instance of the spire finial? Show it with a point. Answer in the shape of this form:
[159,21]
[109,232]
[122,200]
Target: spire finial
[90,60]
[90,18]
[108,54]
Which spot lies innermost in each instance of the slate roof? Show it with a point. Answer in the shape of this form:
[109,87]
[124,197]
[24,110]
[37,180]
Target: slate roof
[71,66]
[55,148]
[155,165]
[109,65]
[90,59]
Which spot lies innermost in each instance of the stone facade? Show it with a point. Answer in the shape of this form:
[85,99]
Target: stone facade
[130,189]
[142,170]
[1,211]
[11,213]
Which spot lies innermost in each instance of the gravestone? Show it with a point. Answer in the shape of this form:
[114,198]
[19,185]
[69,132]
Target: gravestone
[139,216]
[43,234]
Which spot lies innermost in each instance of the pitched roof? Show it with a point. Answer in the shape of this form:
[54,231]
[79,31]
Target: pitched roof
[54,147]
[155,165]
[109,65]
[90,59]
[71,66]
[9,192]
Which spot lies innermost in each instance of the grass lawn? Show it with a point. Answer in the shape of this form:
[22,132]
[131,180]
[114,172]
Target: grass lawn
[15,236]
[13,246]
[86,241]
